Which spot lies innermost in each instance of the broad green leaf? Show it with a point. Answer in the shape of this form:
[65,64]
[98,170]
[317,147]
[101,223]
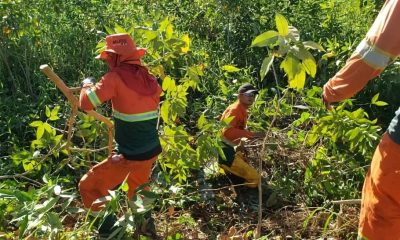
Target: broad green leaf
[265,39]
[298,81]
[54,220]
[39,132]
[168,84]
[266,65]
[186,39]
[230,68]
[313,45]
[53,114]
[165,108]
[150,35]
[36,123]
[48,128]
[228,120]
[282,24]
[169,31]
[164,24]
[291,66]
[310,66]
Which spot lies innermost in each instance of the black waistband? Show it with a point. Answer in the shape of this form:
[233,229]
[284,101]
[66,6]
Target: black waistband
[144,156]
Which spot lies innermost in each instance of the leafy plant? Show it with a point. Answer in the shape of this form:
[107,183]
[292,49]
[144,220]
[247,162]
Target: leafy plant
[285,43]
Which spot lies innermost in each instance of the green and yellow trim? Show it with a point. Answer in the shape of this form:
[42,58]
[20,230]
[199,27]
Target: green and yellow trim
[93,97]
[138,117]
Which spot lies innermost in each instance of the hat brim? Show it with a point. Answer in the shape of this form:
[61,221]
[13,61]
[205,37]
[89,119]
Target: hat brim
[136,54]
[250,91]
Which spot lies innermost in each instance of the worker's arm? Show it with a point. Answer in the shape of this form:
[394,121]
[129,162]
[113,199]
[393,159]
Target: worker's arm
[235,131]
[92,96]
[380,47]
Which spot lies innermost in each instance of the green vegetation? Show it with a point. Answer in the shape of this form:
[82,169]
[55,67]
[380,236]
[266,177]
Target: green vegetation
[200,51]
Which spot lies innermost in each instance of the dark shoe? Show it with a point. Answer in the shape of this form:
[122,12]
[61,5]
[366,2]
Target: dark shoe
[269,198]
[146,227]
[107,228]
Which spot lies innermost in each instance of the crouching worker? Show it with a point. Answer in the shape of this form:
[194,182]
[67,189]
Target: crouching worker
[135,96]
[235,161]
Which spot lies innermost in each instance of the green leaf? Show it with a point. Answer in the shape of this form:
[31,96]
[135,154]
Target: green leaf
[201,121]
[53,114]
[291,66]
[313,45]
[48,128]
[375,98]
[119,29]
[380,103]
[150,35]
[36,123]
[165,111]
[186,40]
[298,81]
[39,132]
[168,84]
[265,39]
[48,112]
[266,65]
[169,31]
[230,68]
[282,25]
[223,87]
[310,66]
[294,33]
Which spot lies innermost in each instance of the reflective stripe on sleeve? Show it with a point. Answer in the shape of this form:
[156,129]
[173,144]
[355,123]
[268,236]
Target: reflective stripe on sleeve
[136,117]
[372,55]
[93,97]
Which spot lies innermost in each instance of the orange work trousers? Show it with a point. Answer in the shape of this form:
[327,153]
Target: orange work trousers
[380,204]
[108,174]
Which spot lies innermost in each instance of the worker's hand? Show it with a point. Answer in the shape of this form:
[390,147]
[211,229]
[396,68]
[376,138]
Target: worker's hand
[240,147]
[88,82]
[326,103]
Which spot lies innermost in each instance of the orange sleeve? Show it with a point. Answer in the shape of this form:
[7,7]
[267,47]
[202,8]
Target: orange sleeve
[104,90]
[380,47]
[236,130]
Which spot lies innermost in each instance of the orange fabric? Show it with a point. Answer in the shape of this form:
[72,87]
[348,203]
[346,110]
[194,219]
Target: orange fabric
[237,127]
[109,174]
[126,101]
[383,35]
[380,209]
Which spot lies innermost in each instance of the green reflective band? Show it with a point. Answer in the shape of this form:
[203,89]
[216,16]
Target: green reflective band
[136,117]
[372,55]
[93,97]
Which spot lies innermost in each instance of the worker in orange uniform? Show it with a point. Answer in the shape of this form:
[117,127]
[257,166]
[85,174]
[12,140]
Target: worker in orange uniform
[380,204]
[135,97]
[235,162]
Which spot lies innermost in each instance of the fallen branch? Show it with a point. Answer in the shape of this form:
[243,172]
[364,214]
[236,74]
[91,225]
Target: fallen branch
[348,201]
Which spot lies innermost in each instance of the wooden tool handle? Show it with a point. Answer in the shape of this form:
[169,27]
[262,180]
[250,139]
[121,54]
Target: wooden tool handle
[69,93]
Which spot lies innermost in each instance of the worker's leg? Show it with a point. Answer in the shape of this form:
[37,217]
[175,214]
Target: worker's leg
[380,205]
[140,174]
[109,174]
[242,169]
